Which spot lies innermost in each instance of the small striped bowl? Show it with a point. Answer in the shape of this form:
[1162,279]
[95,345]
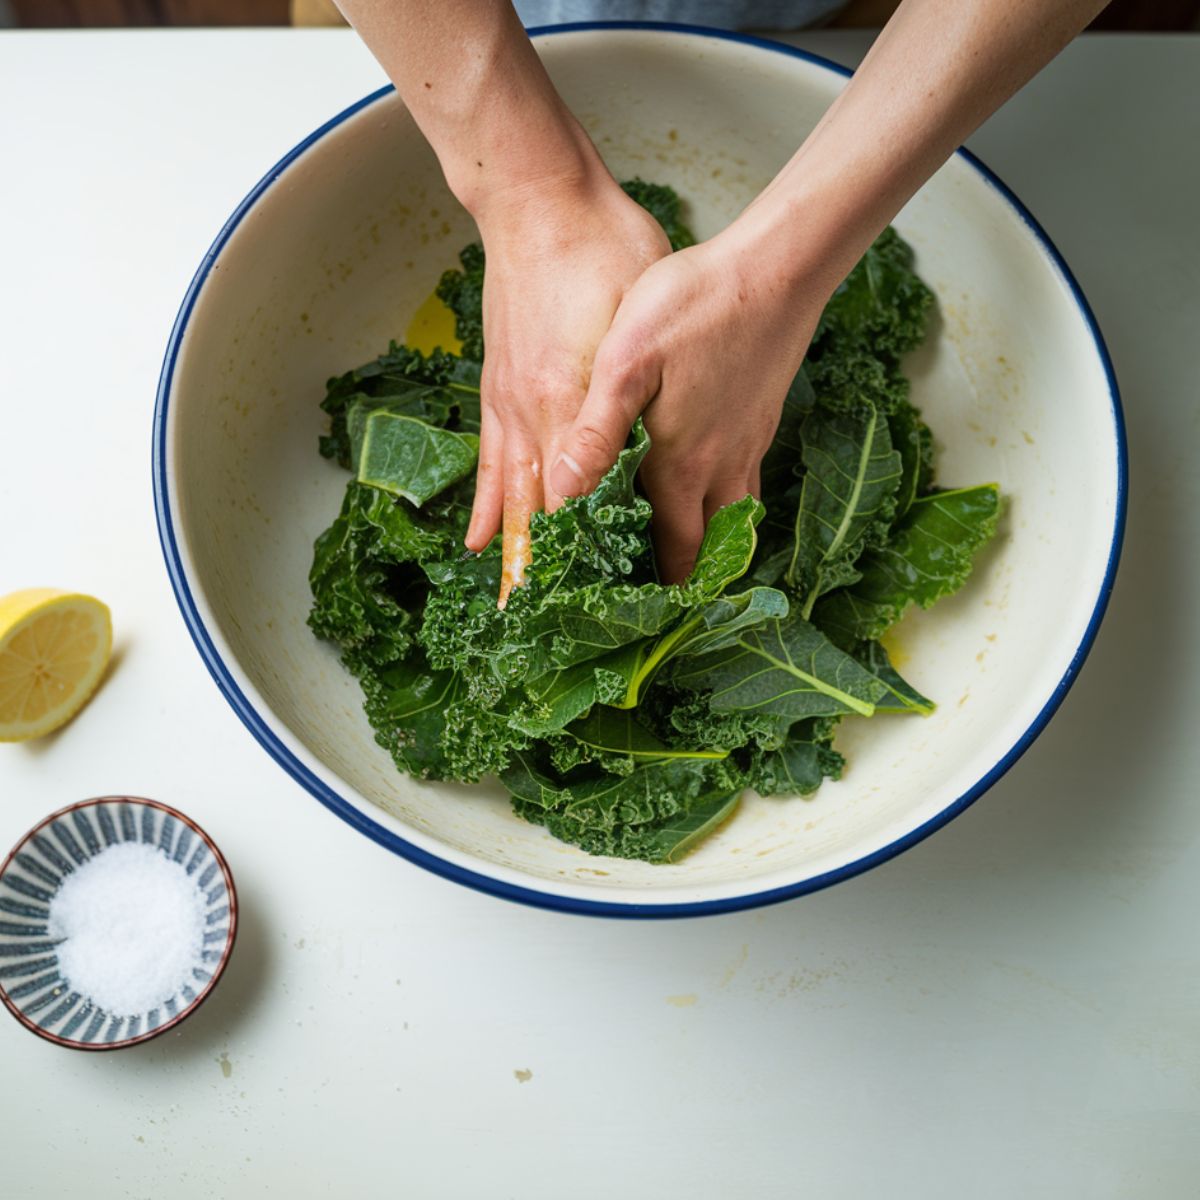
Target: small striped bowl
[32,987]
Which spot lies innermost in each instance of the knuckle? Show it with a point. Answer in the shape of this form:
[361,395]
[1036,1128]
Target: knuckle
[548,381]
[591,439]
[624,362]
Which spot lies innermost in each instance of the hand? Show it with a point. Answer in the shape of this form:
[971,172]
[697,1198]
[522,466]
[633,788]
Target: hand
[706,343]
[559,261]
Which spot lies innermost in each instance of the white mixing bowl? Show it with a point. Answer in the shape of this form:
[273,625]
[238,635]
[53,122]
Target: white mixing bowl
[328,257]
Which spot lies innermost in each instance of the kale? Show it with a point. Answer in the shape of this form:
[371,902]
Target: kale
[462,292]
[876,316]
[624,715]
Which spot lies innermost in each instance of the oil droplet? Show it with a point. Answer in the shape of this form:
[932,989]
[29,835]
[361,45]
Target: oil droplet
[895,651]
[432,326]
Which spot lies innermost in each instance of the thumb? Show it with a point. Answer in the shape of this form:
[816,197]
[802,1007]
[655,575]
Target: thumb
[618,392]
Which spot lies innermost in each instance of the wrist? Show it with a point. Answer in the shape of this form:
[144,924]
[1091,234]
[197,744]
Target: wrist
[542,159]
[813,223]
[784,251]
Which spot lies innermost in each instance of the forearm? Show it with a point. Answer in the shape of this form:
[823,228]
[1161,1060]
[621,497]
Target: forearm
[479,93]
[935,73]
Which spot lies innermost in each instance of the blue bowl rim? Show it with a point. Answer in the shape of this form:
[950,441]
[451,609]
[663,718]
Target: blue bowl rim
[262,732]
[218,970]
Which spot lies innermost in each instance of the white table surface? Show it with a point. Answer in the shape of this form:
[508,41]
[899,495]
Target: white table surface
[1012,1008]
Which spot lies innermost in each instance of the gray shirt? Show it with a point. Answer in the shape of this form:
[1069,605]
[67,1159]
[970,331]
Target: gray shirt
[723,14]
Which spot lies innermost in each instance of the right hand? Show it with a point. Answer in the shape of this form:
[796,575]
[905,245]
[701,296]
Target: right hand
[560,258]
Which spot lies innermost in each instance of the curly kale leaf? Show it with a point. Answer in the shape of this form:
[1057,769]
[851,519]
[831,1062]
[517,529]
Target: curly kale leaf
[406,703]
[876,316]
[655,812]
[799,765]
[666,840]
[461,290]
[686,718]
[367,590]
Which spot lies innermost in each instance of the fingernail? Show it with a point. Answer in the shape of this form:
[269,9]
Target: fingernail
[566,476]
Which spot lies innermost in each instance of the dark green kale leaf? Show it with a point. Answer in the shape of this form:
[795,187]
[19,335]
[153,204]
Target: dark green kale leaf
[875,316]
[655,812]
[461,290]
[406,703]
[673,838]
[711,626]
[666,840]
[687,718]
[782,466]
[914,441]
[551,702]
[847,501]
[616,739]
[798,767]
[407,457]
[786,668]
[437,388]
[728,547]
[594,564]
[927,557]
[901,696]
[367,588]
[590,588]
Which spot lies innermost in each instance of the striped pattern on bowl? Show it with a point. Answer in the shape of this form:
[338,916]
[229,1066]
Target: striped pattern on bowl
[31,984]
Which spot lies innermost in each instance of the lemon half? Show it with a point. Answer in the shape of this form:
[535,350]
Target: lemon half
[54,647]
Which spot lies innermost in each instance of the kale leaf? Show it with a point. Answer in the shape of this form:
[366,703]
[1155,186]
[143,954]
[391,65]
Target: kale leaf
[847,501]
[929,555]
[876,316]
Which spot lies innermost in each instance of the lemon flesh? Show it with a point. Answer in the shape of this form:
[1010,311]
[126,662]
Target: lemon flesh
[54,646]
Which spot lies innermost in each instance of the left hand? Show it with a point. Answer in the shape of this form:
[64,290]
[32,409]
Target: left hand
[706,344]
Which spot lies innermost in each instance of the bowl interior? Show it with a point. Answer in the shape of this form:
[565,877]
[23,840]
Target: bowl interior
[36,984]
[333,258]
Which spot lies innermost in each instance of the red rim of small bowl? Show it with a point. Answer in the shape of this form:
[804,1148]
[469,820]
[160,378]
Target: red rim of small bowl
[218,970]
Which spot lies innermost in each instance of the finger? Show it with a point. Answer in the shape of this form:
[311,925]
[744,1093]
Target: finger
[677,527]
[730,491]
[489,483]
[561,416]
[620,388]
[522,498]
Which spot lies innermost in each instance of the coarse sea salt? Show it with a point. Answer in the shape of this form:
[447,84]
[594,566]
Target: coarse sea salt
[133,921]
